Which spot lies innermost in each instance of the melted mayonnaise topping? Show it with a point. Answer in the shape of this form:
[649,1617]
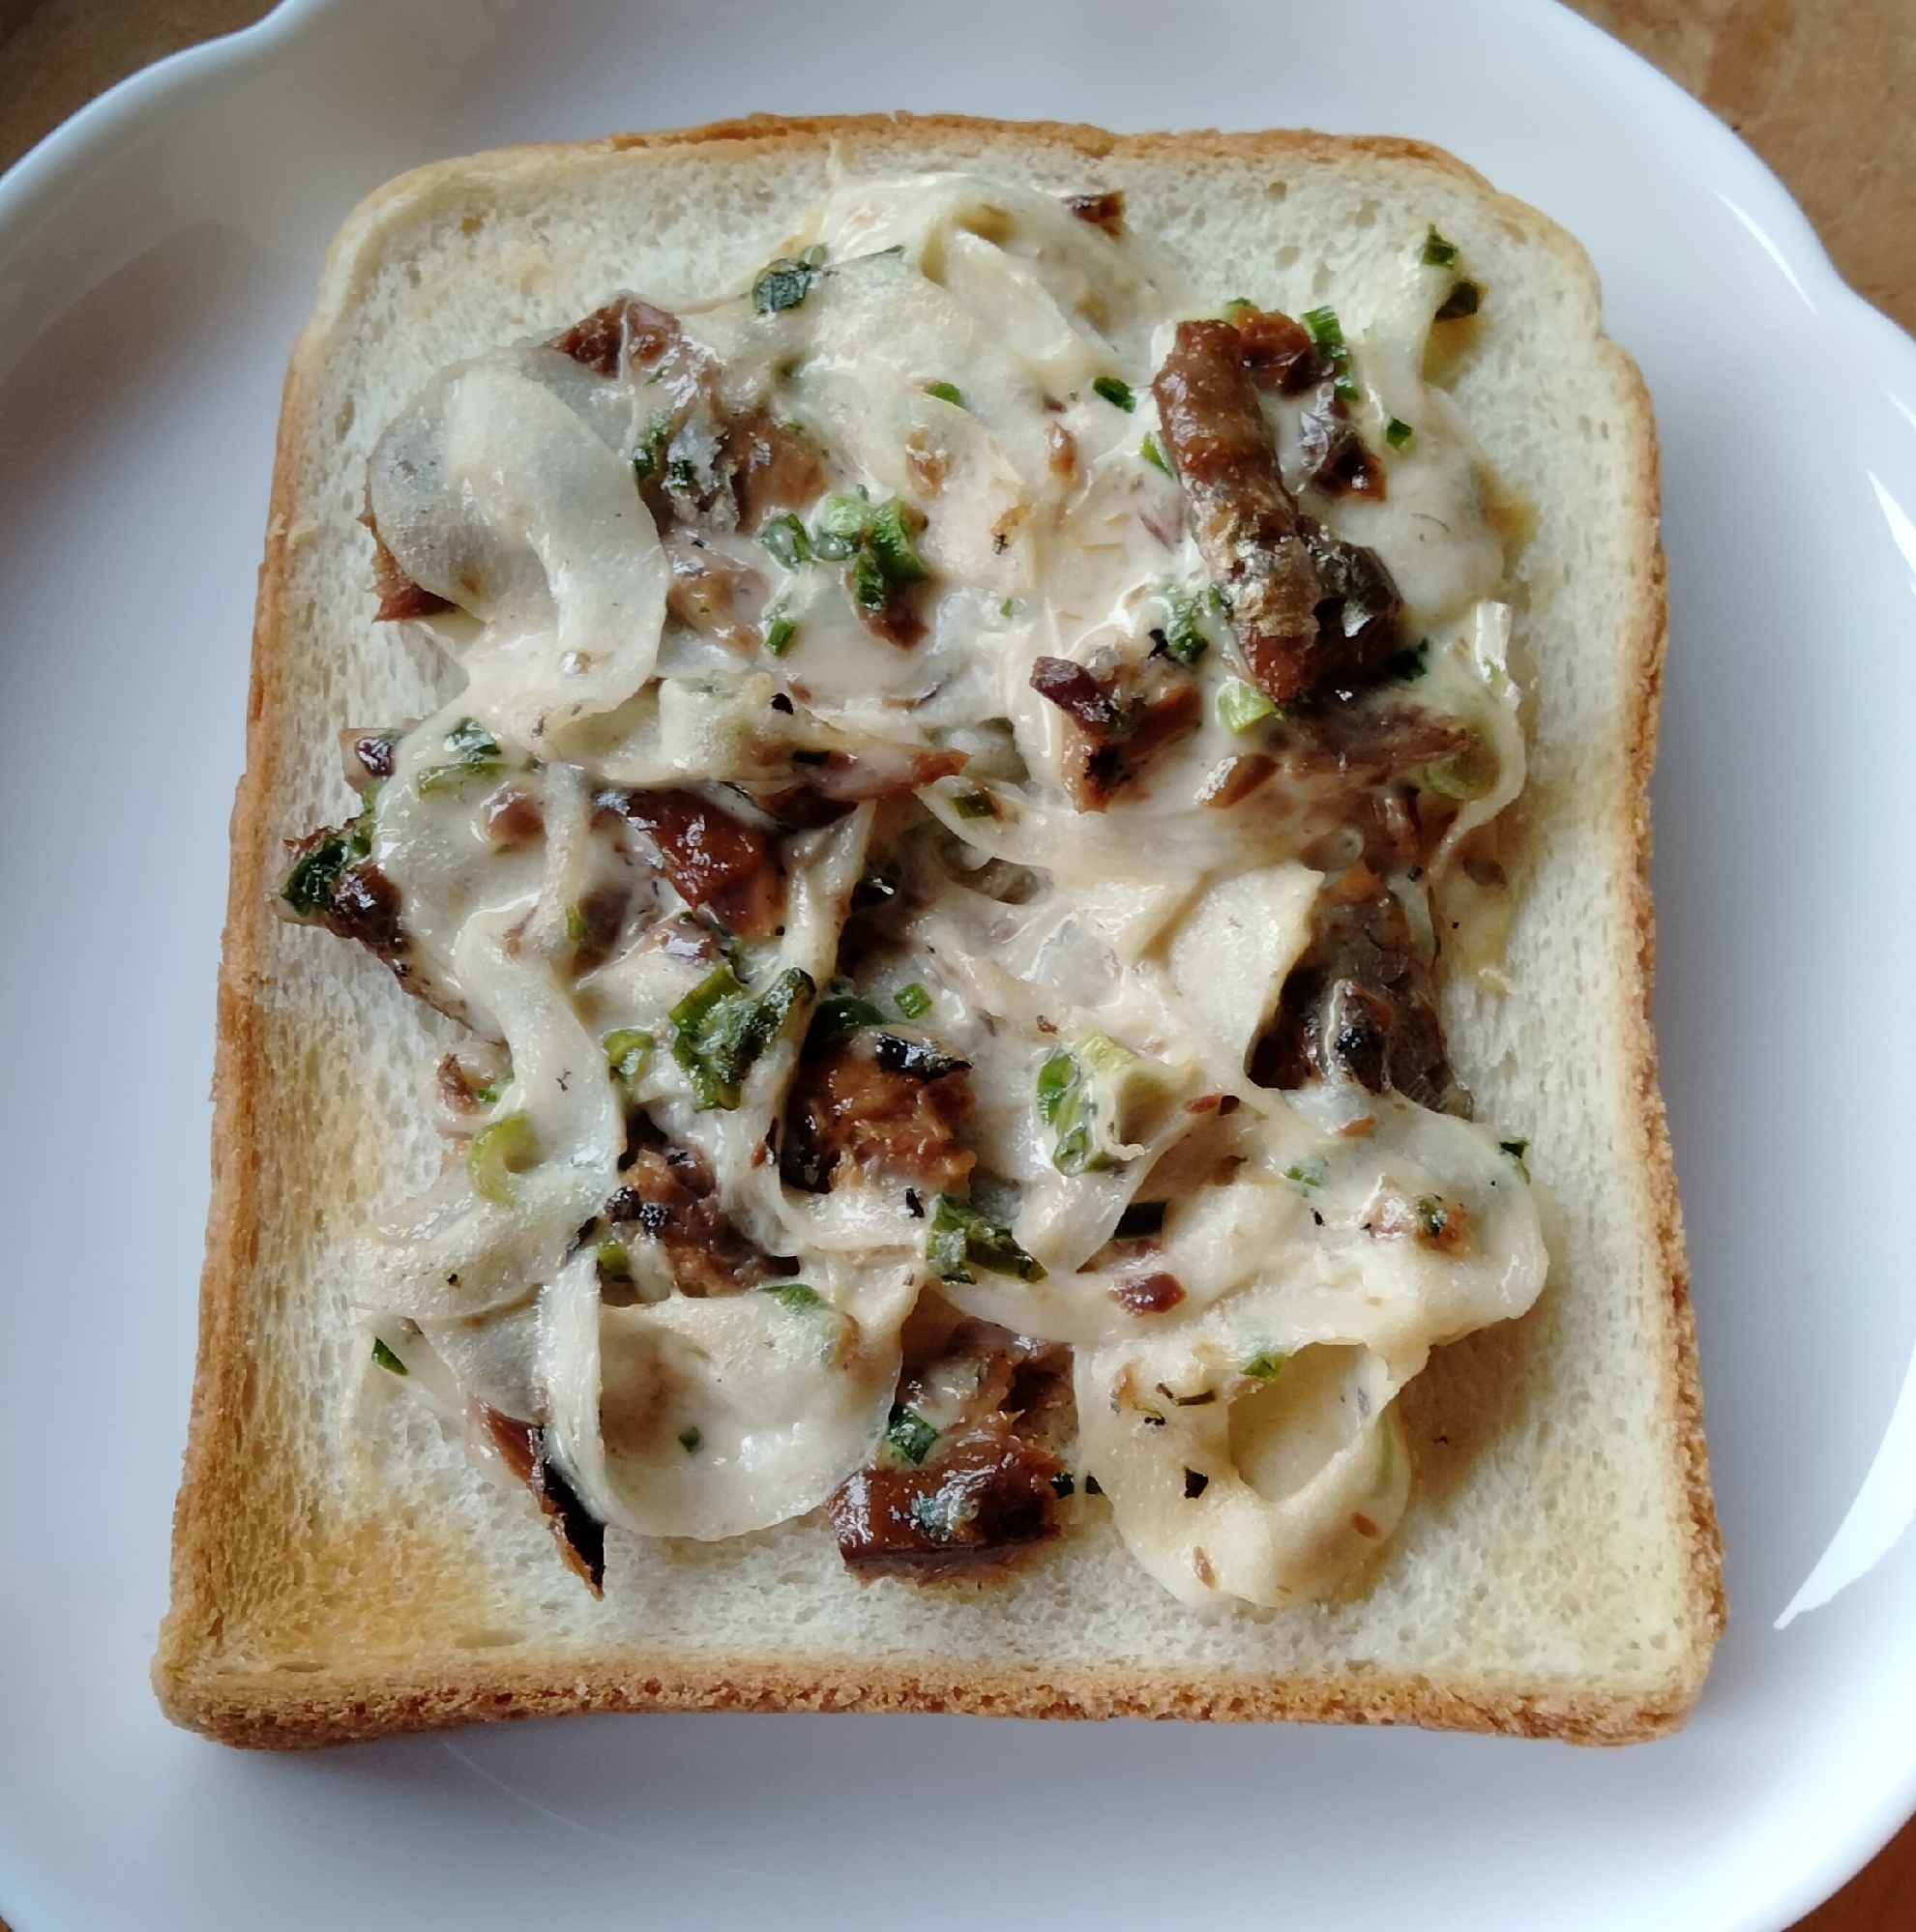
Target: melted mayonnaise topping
[984,356]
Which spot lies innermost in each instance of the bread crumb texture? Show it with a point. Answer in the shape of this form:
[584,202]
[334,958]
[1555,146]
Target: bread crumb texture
[340,1568]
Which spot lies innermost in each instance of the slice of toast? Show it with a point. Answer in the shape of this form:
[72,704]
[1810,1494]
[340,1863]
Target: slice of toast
[339,1569]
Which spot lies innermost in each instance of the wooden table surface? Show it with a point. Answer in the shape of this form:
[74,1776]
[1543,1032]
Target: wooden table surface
[1824,90]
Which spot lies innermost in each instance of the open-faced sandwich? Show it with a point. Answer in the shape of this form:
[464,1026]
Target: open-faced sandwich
[997,1056]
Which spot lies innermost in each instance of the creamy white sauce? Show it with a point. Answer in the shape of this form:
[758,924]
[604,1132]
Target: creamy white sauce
[1162,924]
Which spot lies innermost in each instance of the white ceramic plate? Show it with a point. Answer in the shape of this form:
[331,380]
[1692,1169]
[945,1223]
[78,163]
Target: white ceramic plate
[156,255]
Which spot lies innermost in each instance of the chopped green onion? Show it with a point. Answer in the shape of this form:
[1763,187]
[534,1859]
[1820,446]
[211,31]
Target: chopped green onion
[894,526]
[628,1050]
[691,1441]
[1266,1366]
[1517,1150]
[474,754]
[648,458]
[793,1294]
[1466,298]
[912,1001]
[909,1434]
[1312,1173]
[974,805]
[1398,433]
[613,1260]
[785,536]
[780,635]
[787,282]
[1140,1219]
[1323,328]
[1236,307]
[1345,389]
[839,527]
[499,1150]
[1241,705]
[960,1234]
[1154,455]
[1432,1216]
[386,1359]
[720,1030]
[1184,635]
[575,925]
[945,392]
[1438,252]
[310,883]
[1056,1081]
[869,589]
[1119,393]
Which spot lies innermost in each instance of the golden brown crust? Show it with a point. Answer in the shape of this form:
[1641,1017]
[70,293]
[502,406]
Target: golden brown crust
[225,1512]
[284,1711]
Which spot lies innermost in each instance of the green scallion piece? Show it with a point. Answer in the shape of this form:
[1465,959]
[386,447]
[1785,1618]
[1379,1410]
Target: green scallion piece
[720,1030]
[961,1238]
[310,883]
[912,1001]
[974,805]
[1154,455]
[1184,635]
[1438,252]
[792,1294]
[1119,393]
[1398,433]
[499,1150]
[614,1260]
[628,1052]
[1241,705]
[785,536]
[786,282]
[894,526]
[909,1434]
[1266,1366]
[945,392]
[386,1359]
[780,635]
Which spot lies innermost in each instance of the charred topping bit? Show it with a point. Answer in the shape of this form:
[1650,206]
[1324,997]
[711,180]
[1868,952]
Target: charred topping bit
[1196,1482]
[1117,723]
[918,1059]
[367,756]
[852,1113]
[1151,1294]
[400,598]
[1333,455]
[332,883]
[720,1030]
[1139,1220]
[962,1238]
[715,595]
[628,331]
[711,858]
[838,1014]
[1236,779]
[579,1535]
[1308,610]
[1277,352]
[671,1194]
[1102,211]
[1360,1005]
[1466,298]
[774,466]
[968,1492]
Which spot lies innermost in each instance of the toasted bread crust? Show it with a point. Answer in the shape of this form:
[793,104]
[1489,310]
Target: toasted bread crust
[223,1513]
